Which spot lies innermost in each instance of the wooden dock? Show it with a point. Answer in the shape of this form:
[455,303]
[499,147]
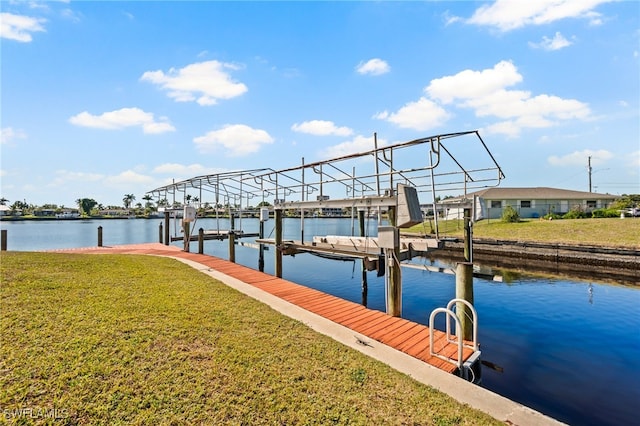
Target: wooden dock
[216,235]
[365,248]
[404,335]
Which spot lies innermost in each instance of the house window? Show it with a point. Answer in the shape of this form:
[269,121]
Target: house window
[525,204]
[592,204]
[496,204]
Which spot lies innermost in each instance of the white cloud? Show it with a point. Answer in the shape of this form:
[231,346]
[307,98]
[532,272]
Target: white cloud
[507,128]
[236,139]
[19,27]
[9,135]
[556,43]
[356,145]
[64,176]
[486,93]
[184,170]
[450,19]
[71,15]
[203,82]
[507,15]
[321,128]
[422,114]
[128,177]
[520,104]
[579,158]
[122,118]
[474,84]
[374,66]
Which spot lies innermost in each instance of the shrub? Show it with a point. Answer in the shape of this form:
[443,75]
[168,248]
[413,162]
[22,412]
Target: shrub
[605,213]
[509,214]
[575,214]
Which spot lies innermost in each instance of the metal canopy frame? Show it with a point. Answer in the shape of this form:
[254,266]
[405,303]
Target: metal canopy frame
[362,180]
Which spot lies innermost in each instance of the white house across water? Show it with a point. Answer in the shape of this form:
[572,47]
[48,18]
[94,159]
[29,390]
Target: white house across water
[528,202]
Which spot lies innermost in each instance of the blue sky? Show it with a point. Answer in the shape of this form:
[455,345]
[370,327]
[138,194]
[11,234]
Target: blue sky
[103,99]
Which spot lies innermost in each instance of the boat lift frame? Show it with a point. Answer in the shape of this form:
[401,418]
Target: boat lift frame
[339,182]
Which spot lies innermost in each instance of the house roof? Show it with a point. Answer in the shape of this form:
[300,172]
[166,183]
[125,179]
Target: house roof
[537,193]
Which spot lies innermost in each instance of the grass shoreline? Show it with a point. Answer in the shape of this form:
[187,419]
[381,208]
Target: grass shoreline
[110,339]
[609,232]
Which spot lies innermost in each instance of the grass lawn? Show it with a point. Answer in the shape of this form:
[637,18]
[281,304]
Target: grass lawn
[611,232]
[125,339]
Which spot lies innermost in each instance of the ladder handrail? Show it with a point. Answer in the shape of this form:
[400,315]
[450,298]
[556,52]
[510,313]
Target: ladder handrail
[450,314]
[474,321]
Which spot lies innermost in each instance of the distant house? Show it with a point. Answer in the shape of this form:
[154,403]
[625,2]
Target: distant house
[67,213]
[115,212]
[45,212]
[528,202]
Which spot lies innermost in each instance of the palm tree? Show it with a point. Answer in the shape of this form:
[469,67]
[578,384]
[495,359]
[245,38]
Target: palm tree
[3,201]
[148,199]
[128,199]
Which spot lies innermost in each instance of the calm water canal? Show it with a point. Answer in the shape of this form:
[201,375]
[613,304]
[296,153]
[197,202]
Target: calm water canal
[568,348]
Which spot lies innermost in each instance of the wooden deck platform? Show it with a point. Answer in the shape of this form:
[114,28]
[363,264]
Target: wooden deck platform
[404,335]
[216,235]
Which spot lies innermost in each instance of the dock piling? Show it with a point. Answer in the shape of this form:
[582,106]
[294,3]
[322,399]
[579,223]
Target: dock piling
[365,285]
[261,248]
[186,227]
[464,279]
[464,290]
[166,228]
[232,246]
[160,233]
[100,236]
[278,240]
[200,241]
[3,238]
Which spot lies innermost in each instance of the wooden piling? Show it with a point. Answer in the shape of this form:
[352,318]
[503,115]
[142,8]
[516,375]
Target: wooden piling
[160,234]
[464,280]
[394,288]
[166,228]
[278,243]
[464,290]
[232,246]
[100,236]
[200,241]
[186,232]
[3,240]
[261,248]
[365,285]
[468,239]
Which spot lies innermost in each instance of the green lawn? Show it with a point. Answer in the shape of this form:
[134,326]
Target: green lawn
[612,232]
[125,339]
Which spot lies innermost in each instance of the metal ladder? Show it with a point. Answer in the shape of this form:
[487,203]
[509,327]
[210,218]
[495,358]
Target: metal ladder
[465,368]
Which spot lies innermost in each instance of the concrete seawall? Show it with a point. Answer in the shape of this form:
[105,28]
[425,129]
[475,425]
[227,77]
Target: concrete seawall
[620,265]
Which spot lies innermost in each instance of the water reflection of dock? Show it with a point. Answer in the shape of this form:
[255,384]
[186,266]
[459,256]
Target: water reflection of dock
[215,234]
[365,248]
